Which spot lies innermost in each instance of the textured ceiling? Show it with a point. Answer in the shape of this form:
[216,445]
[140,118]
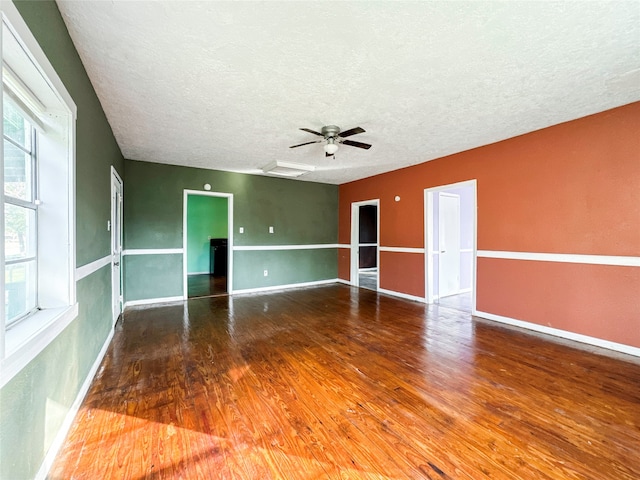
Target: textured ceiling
[226,85]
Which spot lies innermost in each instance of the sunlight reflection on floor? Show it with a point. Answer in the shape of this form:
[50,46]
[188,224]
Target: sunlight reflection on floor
[134,448]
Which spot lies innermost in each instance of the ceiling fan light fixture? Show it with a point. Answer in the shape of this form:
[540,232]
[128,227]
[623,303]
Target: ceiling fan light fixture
[331,147]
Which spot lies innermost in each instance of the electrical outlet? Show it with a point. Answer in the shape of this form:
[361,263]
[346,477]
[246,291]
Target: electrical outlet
[241,229]
[266,273]
[270,229]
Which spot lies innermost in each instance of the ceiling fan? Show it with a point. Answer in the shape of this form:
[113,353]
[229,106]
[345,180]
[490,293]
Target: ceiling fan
[333,137]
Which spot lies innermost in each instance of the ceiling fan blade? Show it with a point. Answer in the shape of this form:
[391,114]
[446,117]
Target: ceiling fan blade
[311,131]
[351,143]
[307,143]
[353,131]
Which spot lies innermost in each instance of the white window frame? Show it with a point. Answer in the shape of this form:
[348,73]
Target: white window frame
[30,203]
[57,299]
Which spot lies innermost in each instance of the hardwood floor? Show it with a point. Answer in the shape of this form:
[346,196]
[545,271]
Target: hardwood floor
[206,285]
[368,279]
[338,382]
[461,301]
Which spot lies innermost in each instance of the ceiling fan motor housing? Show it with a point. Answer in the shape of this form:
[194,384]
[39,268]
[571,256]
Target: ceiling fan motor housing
[330,131]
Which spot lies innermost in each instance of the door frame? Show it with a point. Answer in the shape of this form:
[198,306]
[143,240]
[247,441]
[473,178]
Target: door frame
[355,240]
[428,238]
[229,197]
[116,244]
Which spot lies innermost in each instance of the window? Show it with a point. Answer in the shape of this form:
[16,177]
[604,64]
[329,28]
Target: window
[20,214]
[38,196]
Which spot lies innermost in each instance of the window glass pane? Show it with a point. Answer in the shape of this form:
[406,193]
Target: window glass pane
[19,232]
[16,127]
[17,173]
[20,289]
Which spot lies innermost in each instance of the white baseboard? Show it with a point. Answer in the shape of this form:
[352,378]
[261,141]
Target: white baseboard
[401,295]
[597,342]
[464,290]
[284,287]
[71,414]
[199,273]
[387,292]
[149,301]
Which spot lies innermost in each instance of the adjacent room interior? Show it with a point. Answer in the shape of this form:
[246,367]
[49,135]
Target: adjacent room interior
[451,238]
[288,240]
[364,245]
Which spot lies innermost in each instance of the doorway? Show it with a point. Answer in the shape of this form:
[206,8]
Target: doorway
[450,239]
[207,243]
[116,244]
[365,251]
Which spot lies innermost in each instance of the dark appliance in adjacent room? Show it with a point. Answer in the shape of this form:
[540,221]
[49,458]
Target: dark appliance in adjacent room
[218,257]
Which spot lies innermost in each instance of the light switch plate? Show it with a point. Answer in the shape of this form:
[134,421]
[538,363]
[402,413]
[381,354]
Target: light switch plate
[270,229]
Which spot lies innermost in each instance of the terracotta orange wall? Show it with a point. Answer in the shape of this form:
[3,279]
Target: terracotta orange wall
[403,272]
[601,301]
[573,188]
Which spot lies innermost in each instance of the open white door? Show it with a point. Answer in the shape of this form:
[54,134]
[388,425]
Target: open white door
[449,244]
[116,244]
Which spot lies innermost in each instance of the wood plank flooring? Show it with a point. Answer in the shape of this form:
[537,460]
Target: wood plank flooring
[206,285]
[336,382]
[461,301]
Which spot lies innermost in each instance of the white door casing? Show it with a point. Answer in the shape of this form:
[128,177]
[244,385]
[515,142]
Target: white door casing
[355,240]
[185,275]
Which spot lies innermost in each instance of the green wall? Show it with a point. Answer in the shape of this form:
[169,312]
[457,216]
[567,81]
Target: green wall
[302,213]
[152,276]
[207,218]
[34,403]
[284,267]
